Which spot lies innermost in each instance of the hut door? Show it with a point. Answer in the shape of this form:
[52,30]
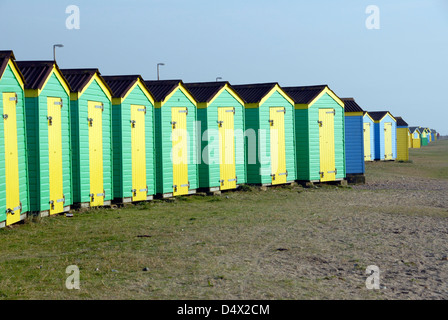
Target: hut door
[387,140]
[57,200]
[95,123]
[277,141]
[180,150]
[326,144]
[227,176]
[367,148]
[13,204]
[139,187]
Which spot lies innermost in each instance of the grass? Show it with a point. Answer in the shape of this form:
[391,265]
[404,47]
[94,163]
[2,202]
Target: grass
[248,244]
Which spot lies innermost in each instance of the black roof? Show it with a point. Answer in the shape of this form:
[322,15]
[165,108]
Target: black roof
[78,78]
[120,85]
[160,89]
[205,91]
[350,105]
[253,93]
[35,72]
[401,122]
[304,94]
[377,115]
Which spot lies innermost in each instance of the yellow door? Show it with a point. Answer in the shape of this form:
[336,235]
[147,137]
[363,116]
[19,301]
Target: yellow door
[277,141]
[180,150]
[387,141]
[367,147]
[95,122]
[227,176]
[13,205]
[409,138]
[55,155]
[326,144]
[139,187]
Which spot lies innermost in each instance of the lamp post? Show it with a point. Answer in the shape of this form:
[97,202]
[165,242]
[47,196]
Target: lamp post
[159,64]
[54,50]
[218,78]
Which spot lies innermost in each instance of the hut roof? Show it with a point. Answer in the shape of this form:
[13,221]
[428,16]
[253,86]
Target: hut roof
[253,93]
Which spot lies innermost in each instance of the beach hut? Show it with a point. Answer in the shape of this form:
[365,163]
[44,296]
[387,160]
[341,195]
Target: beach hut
[320,133]
[133,138]
[14,197]
[220,115]
[175,138]
[47,108]
[385,135]
[423,136]
[415,137]
[434,135]
[269,126]
[354,141]
[91,129]
[402,139]
[369,137]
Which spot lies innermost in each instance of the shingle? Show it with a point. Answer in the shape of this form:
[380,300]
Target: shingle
[377,115]
[120,85]
[413,129]
[350,105]
[204,91]
[78,78]
[253,93]
[160,89]
[5,56]
[35,72]
[304,94]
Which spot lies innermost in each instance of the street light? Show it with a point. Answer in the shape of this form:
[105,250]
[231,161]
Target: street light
[218,78]
[159,64]
[54,50]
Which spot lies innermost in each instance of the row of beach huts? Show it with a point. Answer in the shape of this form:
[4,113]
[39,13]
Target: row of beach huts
[73,138]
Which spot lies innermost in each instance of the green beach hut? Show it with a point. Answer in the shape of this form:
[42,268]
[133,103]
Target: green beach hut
[133,138]
[175,138]
[14,197]
[269,123]
[220,116]
[47,106]
[91,127]
[319,129]
[424,136]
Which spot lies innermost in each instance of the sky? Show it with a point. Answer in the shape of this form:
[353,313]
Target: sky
[400,66]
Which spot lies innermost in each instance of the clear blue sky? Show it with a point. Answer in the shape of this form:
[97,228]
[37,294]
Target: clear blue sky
[402,67]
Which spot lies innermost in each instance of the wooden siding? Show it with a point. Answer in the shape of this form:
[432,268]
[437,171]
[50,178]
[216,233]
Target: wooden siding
[122,155]
[354,145]
[38,157]
[80,144]
[164,164]
[209,173]
[257,119]
[9,83]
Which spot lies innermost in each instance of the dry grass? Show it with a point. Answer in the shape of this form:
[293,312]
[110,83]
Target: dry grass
[283,243]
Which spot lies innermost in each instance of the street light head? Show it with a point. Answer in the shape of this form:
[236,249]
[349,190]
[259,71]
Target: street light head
[160,64]
[58,45]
